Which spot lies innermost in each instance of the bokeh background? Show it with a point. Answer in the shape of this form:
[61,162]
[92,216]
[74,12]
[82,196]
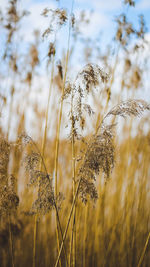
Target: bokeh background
[63,66]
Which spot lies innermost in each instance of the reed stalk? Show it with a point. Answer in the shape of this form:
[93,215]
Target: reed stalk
[73,235]
[42,158]
[9,217]
[59,121]
[11,242]
[68,222]
[10,112]
[144,250]
[85,234]
[72,209]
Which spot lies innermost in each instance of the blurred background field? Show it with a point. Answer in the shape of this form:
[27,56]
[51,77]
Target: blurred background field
[64,65]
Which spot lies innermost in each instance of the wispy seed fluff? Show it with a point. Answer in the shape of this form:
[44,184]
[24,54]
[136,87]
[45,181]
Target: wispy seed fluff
[9,200]
[90,78]
[99,156]
[100,150]
[38,176]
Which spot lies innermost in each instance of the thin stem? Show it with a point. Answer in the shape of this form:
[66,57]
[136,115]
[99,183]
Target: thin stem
[59,121]
[10,112]
[48,103]
[11,241]
[68,222]
[71,212]
[34,240]
[59,225]
[74,220]
[9,218]
[58,137]
[56,209]
[71,246]
[85,235]
[113,77]
[61,107]
[42,158]
[73,240]
[144,250]
[35,229]
[98,125]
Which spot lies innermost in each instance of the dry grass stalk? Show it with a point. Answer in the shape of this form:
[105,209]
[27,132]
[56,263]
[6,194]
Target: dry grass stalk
[9,199]
[46,201]
[144,250]
[100,155]
[61,108]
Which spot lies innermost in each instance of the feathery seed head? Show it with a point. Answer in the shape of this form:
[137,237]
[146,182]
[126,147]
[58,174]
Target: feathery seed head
[130,107]
[99,156]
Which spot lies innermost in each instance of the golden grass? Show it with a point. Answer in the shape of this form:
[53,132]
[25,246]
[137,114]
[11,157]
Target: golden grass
[83,200]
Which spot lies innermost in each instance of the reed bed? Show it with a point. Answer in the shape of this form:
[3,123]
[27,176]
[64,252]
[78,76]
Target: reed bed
[75,165]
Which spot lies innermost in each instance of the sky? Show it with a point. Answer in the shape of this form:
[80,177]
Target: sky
[102,18]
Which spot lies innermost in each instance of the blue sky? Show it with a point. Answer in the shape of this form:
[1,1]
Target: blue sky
[102,19]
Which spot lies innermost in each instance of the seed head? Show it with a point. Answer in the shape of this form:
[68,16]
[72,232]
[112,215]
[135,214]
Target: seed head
[99,156]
